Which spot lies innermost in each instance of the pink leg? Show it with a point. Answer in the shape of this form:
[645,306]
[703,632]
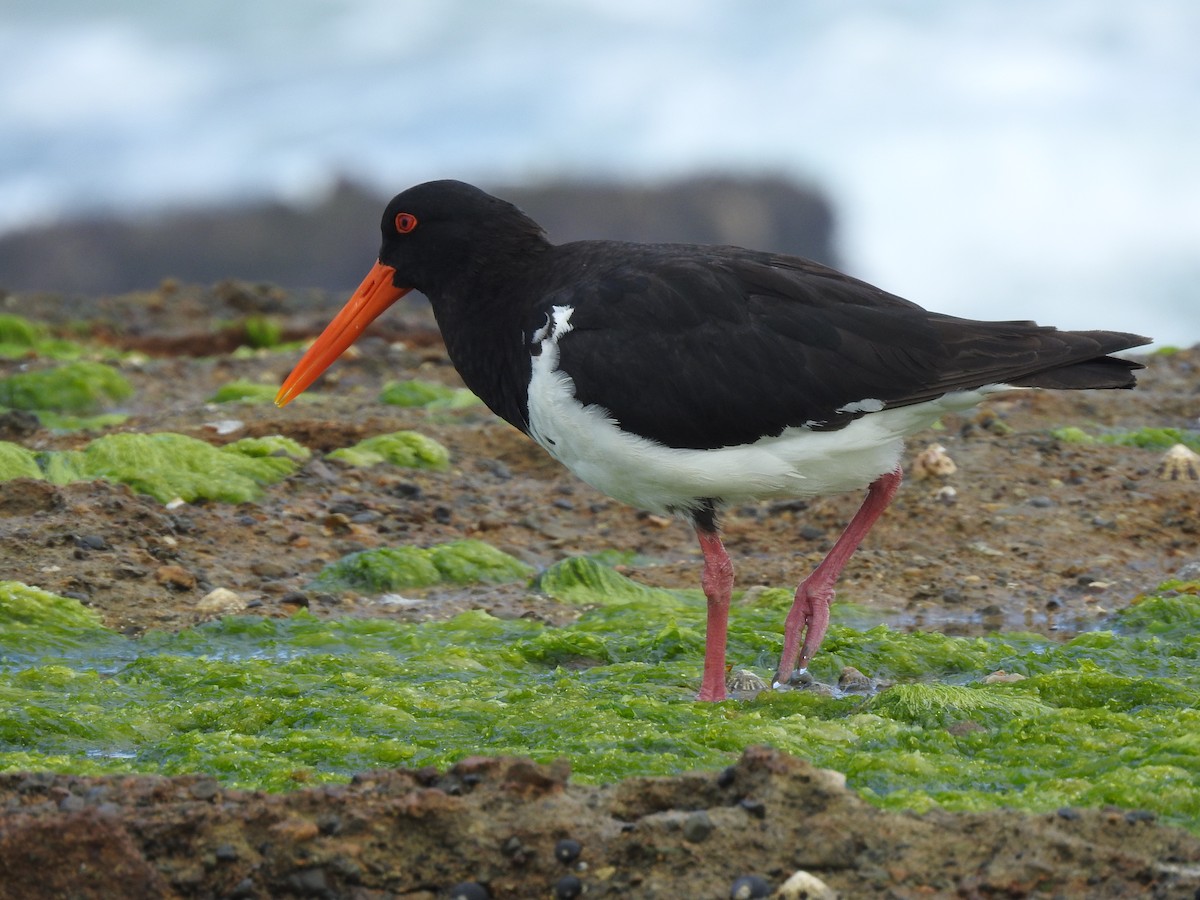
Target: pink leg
[810,610]
[718,587]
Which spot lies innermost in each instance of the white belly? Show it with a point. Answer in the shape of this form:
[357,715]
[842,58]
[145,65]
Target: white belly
[643,473]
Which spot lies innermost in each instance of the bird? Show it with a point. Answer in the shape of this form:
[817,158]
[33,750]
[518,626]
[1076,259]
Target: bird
[683,379]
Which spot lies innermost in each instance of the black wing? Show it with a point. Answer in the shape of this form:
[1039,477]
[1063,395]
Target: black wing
[711,347]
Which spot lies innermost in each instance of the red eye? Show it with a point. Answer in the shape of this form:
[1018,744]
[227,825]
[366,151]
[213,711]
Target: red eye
[405,222]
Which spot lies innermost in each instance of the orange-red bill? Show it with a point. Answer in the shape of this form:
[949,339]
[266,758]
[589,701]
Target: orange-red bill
[374,295]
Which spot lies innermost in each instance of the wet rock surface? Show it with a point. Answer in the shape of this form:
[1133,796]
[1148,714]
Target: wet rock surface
[1036,534]
[501,823]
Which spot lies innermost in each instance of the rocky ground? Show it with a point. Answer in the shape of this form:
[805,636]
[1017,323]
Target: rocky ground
[1028,533]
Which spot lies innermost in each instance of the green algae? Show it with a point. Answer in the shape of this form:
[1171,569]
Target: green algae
[19,337]
[270,445]
[164,465]
[400,448]
[396,568]
[17,462]
[1110,717]
[77,387]
[1143,438]
[243,391]
[427,395]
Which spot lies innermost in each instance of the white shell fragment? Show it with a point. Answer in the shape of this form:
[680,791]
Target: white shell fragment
[805,886]
[1179,464]
[932,462]
[220,601]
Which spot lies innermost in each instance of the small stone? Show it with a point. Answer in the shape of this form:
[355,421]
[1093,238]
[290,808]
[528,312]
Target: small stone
[220,601]
[697,827]
[852,681]
[295,830]
[749,887]
[205,789]
[567,851]
[71,803]
[756,808]
[91,542]
[265,568]
[946,495]
[469,890]
[309,882]
[805,886]
[1179,464]
[226,853]
[337,523]
[176,577]
[1002,677]
[567,888]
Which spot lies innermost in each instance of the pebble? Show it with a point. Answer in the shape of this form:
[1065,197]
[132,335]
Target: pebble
[220,601]
[567,851]
[852,681]
[226,853]
[266,568]
[946,495]
[567,888]
[1002,677]
[91,542]
[469,890]
[697,827]
[756,808]
[749,887]
[175,577]
[805,886]
[204,789]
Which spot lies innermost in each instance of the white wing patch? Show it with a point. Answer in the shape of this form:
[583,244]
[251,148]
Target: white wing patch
[863,406]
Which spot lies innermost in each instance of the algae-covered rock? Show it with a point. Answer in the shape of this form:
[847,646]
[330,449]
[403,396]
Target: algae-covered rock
[1165,613]
[74,387]
[427,394]
[16,331]
[36,621]
[17,462]
[939,705]
[271,445]
[1144,438]
[20,337]
[400,448]
[465,562]
[168,466]
[245,392]
[396,568]
[583,580]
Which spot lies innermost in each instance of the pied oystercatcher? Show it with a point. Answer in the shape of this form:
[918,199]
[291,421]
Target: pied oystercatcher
[681,378]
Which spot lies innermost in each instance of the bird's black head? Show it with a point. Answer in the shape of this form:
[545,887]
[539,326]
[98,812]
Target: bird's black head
[454,243]
[441,234]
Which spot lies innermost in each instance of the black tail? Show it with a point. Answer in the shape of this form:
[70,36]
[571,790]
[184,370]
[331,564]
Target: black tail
[1081,363]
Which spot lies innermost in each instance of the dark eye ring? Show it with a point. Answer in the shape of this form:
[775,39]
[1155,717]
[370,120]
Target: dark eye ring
[405,222]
